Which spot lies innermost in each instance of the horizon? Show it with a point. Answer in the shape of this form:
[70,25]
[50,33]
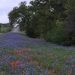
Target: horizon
[6,7]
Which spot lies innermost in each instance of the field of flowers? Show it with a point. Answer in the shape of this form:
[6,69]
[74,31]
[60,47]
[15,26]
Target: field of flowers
[20,55]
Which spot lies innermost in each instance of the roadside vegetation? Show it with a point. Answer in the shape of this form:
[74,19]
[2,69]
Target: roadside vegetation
[21,55]
[4,28]
[52,20]
[48,23]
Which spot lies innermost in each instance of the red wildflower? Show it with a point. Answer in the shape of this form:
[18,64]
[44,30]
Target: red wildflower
[16,64]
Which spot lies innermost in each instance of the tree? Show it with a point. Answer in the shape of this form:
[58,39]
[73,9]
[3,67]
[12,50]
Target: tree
[69,25]
[13,15]
[48,19]
[19,12]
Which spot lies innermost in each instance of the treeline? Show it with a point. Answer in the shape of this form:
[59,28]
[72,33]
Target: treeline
[6,27]
[52,20]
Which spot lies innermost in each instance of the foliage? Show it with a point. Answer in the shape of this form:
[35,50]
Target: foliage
[5,28]
[70,29]
[56,35]
[39,19]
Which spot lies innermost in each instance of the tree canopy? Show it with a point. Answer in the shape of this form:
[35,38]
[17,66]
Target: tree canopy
[53,20]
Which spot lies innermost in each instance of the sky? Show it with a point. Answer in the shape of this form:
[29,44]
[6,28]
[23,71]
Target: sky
[6,6]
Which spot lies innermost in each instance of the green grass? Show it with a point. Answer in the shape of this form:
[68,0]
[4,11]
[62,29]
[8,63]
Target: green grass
[46,57]
[54,58]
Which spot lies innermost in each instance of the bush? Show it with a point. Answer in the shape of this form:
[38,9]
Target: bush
[70,29]
[56,35]
[31,33]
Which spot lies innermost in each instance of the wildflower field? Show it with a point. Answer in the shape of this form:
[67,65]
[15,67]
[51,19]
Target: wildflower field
[21,55]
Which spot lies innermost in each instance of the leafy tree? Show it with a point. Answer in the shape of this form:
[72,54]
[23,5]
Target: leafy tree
[48,19]
[19,12]
[13,15]
[24,14]
[69,25]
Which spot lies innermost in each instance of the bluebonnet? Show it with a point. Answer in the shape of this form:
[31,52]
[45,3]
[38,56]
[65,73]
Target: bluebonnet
[15,41]
[11,41]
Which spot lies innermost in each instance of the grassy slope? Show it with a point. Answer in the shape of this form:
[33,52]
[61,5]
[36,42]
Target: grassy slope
[55,59]
[58,60]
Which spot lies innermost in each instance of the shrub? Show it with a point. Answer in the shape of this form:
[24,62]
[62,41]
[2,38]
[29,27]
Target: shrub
[31,33]
[56,35]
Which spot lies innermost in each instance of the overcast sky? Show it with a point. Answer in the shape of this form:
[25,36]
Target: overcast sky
[6,6]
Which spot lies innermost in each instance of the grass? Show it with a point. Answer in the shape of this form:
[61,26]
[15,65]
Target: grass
[53,59]
[19,56]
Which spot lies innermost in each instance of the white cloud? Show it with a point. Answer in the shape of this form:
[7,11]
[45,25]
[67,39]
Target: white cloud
[6,6]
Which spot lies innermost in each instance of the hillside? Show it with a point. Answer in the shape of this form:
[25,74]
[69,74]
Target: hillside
[21,55]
